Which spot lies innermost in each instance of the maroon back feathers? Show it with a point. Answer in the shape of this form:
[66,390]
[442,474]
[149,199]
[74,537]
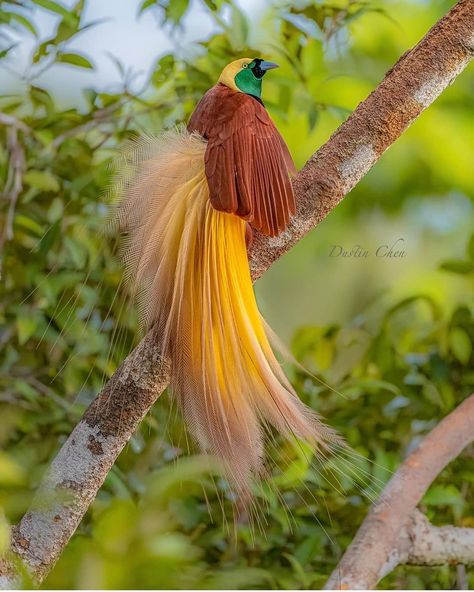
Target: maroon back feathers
[247,163]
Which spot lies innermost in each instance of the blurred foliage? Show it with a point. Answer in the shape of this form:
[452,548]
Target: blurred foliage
[65,322]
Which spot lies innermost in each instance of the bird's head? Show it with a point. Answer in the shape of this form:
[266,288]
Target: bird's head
[245,75]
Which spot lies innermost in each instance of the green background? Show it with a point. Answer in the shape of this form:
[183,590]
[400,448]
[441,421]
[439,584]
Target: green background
[392,335]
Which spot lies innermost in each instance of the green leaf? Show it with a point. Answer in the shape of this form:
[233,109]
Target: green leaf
[54,7]
[313,117]
[118,64]
[175,10]
[78,8]
[298,569]
[443,495]
[56,210]
[461,345]
[42,51]
[42,180]
[239,27]
[25,23]
[238,579]
[66,30]
[49,238]
[75,60]
[90,94]
[28,224]
[146,5]
[4,535]
[11,472]
[308,548]
[77,252]
[409,300]
[39,96]
[26,325]
[4,52]
[373,385]
[214,5]
[312,59]
[470,248]
[458,266]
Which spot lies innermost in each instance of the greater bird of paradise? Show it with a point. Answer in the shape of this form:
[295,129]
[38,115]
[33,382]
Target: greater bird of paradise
[189,201]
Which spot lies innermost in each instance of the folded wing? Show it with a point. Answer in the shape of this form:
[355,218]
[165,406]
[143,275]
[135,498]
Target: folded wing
[248,165]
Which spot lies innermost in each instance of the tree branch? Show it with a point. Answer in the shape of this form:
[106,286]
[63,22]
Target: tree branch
[380,544]
[85,459]
[421,543]
[10,121]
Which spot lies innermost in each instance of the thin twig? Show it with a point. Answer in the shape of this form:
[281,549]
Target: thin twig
[14,185]
[11,121]
[99,116]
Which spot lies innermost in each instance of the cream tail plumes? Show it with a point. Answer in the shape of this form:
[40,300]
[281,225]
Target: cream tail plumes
[188,264]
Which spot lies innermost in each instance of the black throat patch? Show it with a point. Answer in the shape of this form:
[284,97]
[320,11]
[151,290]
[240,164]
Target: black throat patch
[257,71]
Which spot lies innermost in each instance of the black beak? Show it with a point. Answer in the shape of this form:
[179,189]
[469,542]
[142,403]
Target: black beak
[268,66]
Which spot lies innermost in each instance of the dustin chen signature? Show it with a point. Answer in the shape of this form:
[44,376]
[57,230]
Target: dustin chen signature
[393,251]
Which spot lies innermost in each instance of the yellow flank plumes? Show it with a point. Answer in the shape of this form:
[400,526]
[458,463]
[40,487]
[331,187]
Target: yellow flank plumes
[188,263]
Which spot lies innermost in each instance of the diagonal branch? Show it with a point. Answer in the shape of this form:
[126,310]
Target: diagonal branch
[381,544]
[85,459]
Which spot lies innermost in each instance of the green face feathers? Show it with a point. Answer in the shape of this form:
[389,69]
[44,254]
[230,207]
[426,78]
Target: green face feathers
[249,79]
[247,82]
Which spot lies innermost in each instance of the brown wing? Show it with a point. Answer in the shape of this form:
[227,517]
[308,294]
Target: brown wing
[248,165]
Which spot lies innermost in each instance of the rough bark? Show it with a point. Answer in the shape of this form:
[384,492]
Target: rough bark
[79,469]
[421,543]
[415,81]
[89,453]
[378,547]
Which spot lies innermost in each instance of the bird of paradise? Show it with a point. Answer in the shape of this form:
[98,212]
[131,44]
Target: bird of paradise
[189,201]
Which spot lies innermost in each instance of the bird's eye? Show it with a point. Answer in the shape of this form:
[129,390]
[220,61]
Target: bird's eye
[245,66]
